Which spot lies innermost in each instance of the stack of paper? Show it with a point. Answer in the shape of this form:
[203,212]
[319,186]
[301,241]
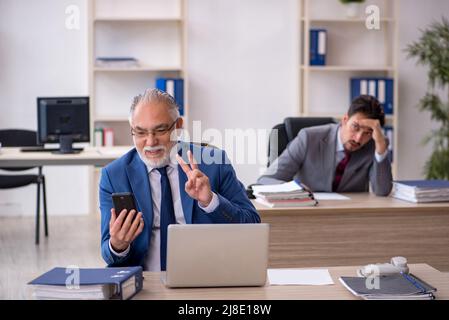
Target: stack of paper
[306,277]
[116,62]
[400,286]
[289,194]
[421,190]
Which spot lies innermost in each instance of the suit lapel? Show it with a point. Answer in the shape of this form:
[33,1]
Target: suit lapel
[140,185]
[186,200]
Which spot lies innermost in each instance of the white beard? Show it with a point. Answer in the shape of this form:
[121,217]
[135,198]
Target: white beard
[156,163]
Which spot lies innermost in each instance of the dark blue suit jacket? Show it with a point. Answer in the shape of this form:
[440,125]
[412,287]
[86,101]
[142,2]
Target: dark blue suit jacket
[129,174]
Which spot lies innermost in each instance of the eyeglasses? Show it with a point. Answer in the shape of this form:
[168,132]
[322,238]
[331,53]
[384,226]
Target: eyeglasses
[158,132]
[356,128]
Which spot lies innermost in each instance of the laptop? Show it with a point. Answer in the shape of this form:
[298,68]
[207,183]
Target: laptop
[216,255]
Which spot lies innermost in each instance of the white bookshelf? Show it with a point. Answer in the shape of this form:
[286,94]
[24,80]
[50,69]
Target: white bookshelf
[352,50]
[152,31]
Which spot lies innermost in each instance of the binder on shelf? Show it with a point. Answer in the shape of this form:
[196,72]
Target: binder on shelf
[108,137]
[88,283]
[175,88]
[381,88]
[98,137]
[386,96]
[318,47]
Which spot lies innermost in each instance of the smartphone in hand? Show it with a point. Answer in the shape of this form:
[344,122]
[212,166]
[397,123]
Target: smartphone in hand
[123,200]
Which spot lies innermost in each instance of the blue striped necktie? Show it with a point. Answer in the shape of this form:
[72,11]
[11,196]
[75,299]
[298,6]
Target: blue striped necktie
[167,213]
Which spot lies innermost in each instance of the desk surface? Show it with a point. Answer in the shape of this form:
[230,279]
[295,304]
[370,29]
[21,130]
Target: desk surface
[13,157]
[153,289]
[360,202]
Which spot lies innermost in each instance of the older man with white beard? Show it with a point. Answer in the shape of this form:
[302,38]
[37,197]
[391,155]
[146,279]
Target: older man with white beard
[167,187]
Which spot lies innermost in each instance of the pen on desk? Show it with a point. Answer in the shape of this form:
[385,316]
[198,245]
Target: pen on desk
[413,281]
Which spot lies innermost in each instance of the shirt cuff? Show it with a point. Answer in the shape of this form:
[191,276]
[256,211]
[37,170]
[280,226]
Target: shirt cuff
[119,254]
[212,205]
[380,157]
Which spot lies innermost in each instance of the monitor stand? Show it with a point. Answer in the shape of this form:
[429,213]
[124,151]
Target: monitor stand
[65,145]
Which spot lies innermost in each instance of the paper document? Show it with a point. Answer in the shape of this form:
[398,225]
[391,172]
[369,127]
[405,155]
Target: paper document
[307,277]
[277,188]
[329,196]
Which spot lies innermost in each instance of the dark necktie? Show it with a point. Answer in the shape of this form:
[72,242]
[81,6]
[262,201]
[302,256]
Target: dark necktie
[167,214]
[340,170]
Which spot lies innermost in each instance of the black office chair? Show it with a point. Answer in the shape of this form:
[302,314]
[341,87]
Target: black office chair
[288,130]
[24,138]
[285,132]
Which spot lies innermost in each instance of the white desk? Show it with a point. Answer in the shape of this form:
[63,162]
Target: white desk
[96,156]
[91,156]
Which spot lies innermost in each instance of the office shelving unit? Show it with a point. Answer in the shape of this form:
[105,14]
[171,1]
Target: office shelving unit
[352,50]
[153,32]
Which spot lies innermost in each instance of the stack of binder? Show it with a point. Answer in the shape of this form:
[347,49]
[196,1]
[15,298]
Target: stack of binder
[379,87]
[400,286]
[88,284]
[421,190]
[290,194]
[103,137]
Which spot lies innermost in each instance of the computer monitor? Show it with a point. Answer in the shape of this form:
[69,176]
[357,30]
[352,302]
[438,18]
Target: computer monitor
[63,120]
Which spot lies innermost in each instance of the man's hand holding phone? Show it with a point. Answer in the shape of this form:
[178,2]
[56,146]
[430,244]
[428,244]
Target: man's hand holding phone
[124,228]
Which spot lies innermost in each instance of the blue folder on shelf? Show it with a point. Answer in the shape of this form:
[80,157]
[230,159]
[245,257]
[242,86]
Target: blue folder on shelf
[318,47]
[88,283]
[175,88]
[380,87]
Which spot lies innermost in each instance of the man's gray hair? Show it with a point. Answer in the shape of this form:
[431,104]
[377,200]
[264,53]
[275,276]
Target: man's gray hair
[154,95]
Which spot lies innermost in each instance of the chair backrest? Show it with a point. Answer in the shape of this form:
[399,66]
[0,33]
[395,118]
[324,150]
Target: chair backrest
[277,142]
[288,130]
[18,138]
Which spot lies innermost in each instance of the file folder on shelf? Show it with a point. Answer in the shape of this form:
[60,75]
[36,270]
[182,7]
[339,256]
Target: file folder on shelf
[318,47]
[175,88]
[381,88]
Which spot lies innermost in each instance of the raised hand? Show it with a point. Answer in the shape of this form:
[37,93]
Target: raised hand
[378,135]
[197,185]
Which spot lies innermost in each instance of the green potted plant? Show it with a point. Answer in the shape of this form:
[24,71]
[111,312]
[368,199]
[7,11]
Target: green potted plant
[352,7]
[432,50]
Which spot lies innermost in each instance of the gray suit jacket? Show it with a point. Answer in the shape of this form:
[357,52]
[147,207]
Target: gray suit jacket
[310,157]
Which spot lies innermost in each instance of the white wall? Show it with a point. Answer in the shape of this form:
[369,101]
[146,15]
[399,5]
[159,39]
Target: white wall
[40,57]
[243,67]
[414,125]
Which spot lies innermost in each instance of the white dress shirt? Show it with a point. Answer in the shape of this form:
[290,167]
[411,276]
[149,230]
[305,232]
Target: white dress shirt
[340,151]
[152,260]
